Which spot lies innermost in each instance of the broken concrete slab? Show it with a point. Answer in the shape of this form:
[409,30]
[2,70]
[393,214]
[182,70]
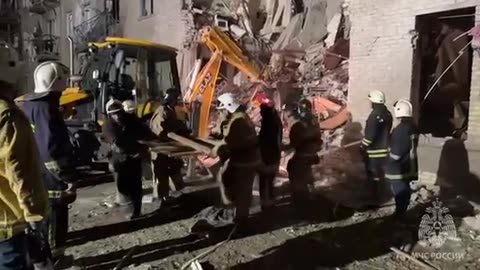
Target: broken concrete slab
[315,25]
[237,31]
[292,30]
[278,16]
[332,29]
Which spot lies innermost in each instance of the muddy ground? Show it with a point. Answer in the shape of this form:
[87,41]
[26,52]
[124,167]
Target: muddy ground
[100,236]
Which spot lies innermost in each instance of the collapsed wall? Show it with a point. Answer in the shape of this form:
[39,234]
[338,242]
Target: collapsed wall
[303,50]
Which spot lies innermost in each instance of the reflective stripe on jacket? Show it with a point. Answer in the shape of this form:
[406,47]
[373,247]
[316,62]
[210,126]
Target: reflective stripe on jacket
[377,131]
[402,163]
[23,197]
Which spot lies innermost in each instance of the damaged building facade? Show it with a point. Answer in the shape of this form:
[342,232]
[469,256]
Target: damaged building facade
[423,50]
[39,29]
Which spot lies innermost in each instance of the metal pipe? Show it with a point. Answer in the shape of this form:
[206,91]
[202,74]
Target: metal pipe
[72,59]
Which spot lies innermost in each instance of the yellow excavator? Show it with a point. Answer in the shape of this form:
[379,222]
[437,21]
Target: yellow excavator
[223,48]
[119,68]
[122,68]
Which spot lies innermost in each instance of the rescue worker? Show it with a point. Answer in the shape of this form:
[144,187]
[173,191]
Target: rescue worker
[305,108]
[129,106]
[166,170]
[306,142]
[270,139]
[375,143]
[43,110]
[240,156]
[123,131]
[402,164]
[23,197]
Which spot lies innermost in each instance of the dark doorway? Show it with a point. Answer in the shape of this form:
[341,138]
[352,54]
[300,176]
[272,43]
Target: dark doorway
[443,58]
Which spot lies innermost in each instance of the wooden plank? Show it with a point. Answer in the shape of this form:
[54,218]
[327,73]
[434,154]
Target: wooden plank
[191,143]
[185,154]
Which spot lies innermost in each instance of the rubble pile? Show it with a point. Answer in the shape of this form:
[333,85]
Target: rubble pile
[302,52]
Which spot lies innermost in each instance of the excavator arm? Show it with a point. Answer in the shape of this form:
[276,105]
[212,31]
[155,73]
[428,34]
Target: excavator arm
[223,48]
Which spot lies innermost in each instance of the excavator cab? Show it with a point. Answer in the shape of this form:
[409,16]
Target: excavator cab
[119,68]
[123,69]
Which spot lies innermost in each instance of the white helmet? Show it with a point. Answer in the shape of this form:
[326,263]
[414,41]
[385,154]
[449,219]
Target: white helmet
[129,106]
[228,102]
[403,108]
[376,96]
[50,76]
[9,64]
[113,106]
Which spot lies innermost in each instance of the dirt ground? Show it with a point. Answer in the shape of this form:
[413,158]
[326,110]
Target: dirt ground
[101,236]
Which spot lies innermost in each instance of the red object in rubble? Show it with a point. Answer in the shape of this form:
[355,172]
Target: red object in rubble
[262,99]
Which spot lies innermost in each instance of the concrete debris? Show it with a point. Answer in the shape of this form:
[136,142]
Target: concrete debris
[279,13]
[332,29]
[315,25]
[290,32]
[299,54]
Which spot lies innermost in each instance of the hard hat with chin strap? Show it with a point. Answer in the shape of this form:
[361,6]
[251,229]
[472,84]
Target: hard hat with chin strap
[50,76]
[376,96]
[129,106]
[9,64]
[228,102]
[403,108]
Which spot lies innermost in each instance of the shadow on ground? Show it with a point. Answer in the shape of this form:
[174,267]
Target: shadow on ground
[283,215]
[454,173]
[190,205]
[339,246]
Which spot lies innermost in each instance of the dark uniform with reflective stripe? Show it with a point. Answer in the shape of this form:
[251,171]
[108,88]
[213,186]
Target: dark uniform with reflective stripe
[55,150]
[402,165]
[375,144]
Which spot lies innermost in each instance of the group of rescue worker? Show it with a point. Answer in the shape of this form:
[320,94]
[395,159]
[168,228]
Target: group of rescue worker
[123,130]
[391,155]
[38,183]
[244,154]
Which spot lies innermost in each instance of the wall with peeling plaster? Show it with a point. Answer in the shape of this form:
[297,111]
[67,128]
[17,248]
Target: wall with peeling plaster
[381,58]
